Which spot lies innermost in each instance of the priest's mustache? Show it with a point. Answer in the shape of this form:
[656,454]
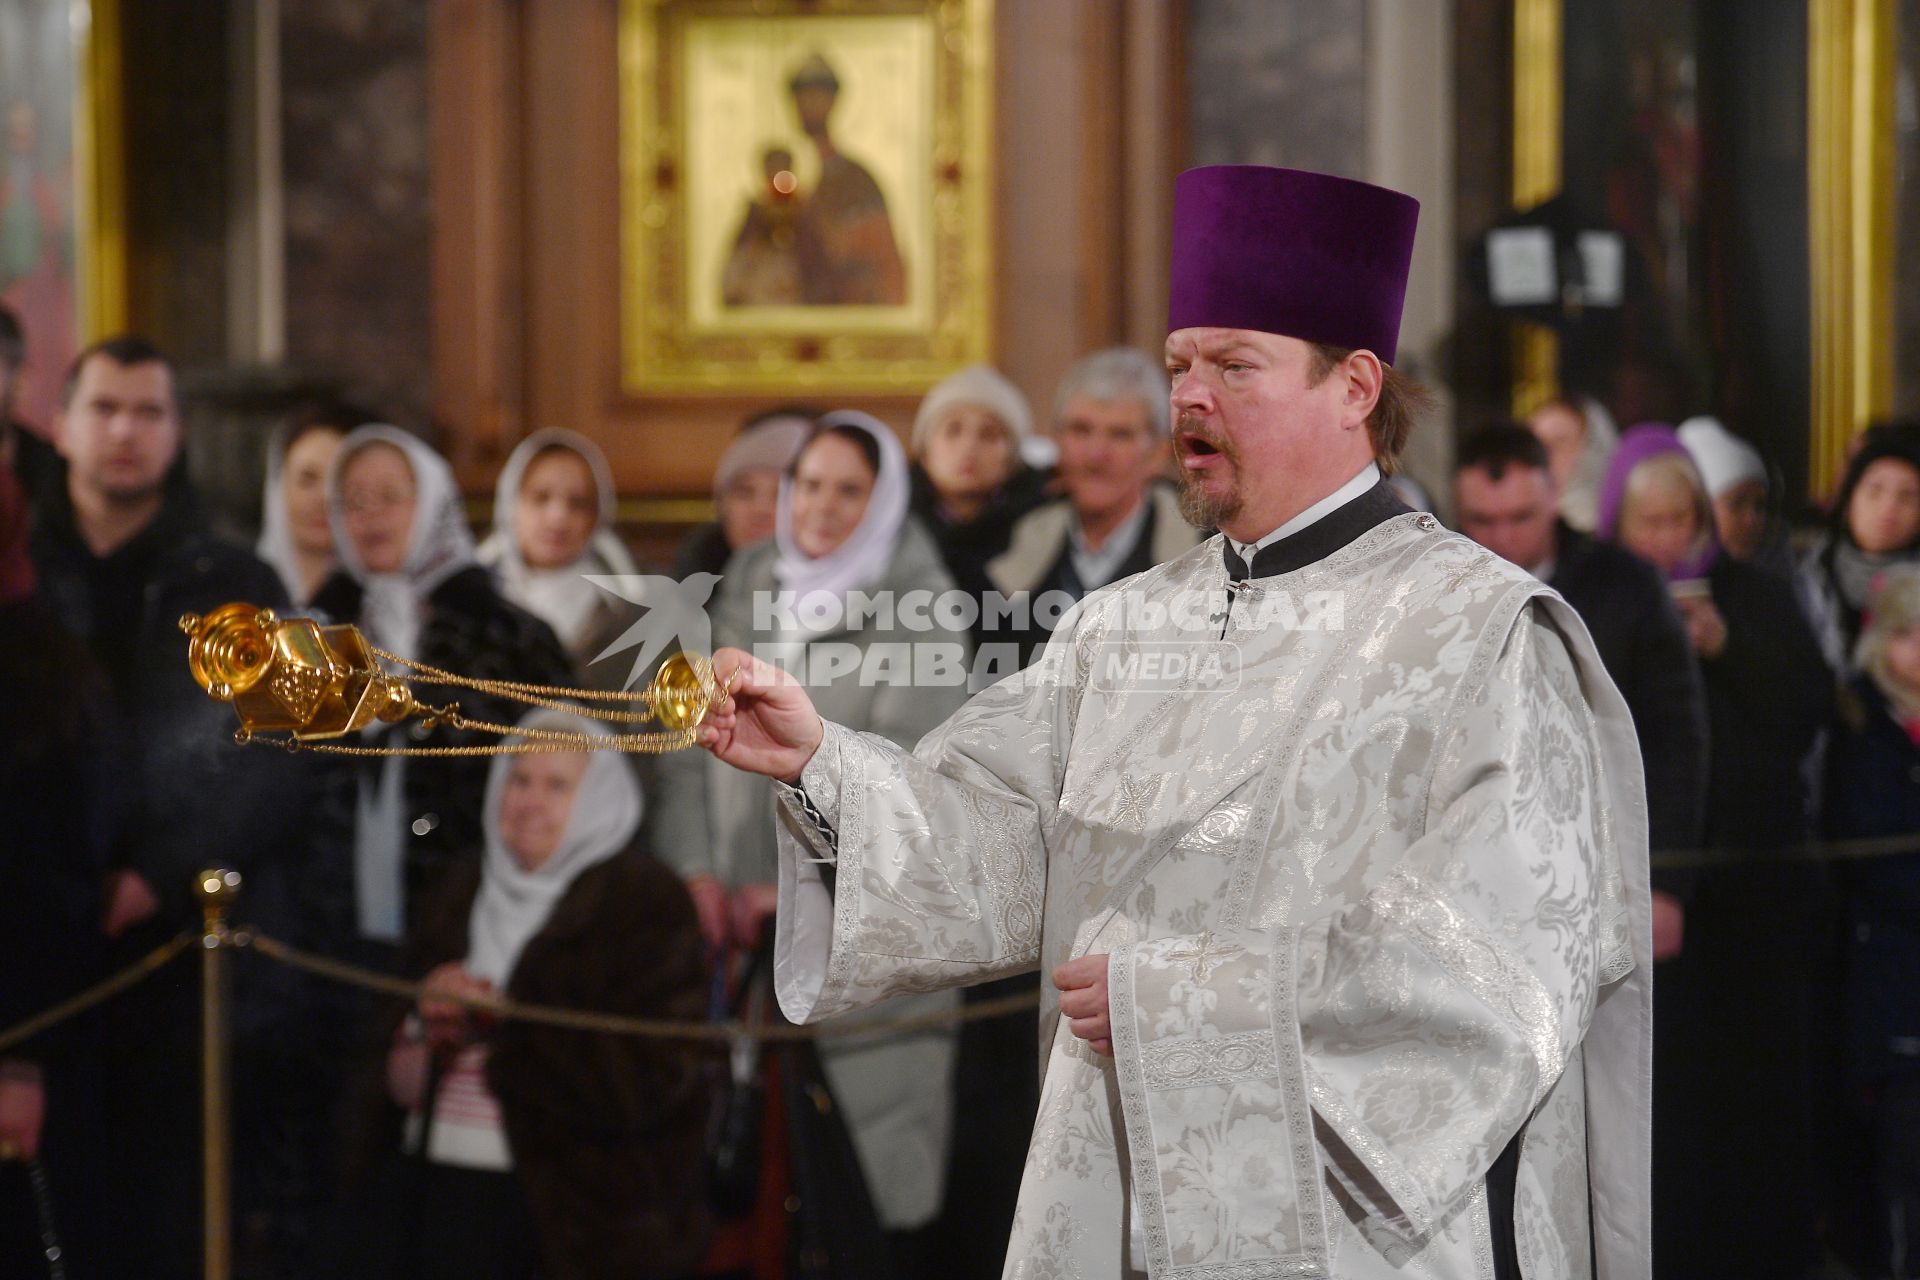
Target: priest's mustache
[1188,425]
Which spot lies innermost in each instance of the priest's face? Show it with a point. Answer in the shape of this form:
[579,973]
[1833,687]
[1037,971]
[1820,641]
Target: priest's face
[1258,438]
[1512,515]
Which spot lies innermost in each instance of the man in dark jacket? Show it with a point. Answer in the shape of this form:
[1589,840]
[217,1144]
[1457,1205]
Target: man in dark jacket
[123,551]
[1507,502]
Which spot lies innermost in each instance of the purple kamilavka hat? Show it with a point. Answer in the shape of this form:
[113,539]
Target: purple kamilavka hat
[1307,255]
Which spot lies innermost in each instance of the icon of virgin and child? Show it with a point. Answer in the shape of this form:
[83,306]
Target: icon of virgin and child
[831,246]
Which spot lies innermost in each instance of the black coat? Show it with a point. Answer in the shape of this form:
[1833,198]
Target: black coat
[967,545]
[704,550]
[1769,694]
[1873,790]
[56,806]
[1643,645]
[191,796]
[37,463]
[1752,968]
[607,1131]
[186,796]
[470,630]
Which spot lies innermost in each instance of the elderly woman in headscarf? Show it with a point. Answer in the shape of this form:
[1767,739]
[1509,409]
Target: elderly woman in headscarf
[296,535]
[1874,525]
[1580,437]
[408,579]
[1733,1153]
[544,1150]
[746,491]
[1873,792]
[844,529]
[1737,481]
[970,482]
[553,512]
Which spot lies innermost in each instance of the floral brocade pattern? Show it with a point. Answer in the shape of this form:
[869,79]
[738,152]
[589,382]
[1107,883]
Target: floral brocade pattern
[1361,914]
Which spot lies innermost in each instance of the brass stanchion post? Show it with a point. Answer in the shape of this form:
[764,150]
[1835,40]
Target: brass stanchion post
[216,889]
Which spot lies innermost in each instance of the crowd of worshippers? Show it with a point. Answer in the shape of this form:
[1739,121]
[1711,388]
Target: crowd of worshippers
[1773,674]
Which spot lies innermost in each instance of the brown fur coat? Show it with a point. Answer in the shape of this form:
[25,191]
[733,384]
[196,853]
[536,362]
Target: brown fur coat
[607,1131]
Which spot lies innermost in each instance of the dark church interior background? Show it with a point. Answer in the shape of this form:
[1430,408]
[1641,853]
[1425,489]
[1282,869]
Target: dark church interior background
[653,221]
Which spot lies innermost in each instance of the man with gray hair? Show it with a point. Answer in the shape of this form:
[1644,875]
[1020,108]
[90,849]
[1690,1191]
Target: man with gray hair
[1110,421]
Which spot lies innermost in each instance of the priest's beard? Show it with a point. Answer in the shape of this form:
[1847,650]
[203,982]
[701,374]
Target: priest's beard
[1198,507]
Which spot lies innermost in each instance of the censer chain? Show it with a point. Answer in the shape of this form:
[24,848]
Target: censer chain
[424,674]
[533,741]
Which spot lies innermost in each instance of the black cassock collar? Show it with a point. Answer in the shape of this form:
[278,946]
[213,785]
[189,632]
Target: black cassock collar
[1321,538]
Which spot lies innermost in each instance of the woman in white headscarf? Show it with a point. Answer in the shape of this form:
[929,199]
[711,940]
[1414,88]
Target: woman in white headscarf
[843,528]
[296,535]
[548,1151]
[409,580]
[1580,436]
[553,512]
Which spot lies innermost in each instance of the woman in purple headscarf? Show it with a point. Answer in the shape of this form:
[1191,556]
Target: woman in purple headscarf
[1733,1148]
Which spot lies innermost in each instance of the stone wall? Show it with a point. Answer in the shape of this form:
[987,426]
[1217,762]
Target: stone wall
[1278,83]
[359,220]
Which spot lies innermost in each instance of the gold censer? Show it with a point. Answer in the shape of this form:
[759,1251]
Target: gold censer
[311,684]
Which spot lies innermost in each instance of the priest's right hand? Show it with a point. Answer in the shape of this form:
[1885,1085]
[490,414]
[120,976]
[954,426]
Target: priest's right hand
[766,722]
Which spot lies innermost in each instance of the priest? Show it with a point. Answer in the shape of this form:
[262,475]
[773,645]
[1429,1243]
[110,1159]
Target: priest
[1346,913]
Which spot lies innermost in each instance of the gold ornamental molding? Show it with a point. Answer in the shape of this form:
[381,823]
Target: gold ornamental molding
[1538,99]
[99,147]
[1850,167]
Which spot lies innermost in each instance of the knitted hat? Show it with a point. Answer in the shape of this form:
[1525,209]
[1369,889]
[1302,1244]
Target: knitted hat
[768,445]
[982,387]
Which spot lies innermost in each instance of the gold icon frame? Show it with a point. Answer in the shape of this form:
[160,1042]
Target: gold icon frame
[701,88]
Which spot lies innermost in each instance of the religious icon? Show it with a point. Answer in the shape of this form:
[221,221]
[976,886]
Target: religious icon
[764,267]
[843,241]
[805,198]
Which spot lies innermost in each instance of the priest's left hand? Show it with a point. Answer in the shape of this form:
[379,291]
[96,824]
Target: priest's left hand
[1083,1001]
